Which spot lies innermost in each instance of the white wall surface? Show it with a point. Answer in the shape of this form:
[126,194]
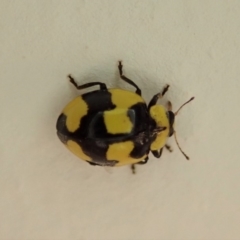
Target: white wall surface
[46,192]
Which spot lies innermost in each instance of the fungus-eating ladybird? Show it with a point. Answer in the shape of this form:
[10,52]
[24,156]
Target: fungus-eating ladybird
[115,127]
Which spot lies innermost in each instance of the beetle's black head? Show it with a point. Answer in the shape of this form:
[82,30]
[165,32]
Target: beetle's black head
[171,119]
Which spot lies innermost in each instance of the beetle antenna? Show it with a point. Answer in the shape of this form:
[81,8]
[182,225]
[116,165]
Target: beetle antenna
[185,155]
[183,106]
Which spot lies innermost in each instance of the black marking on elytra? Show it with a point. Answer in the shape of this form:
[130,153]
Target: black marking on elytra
[93,125]
[96,150]
[63,138]
[93,136]
[97,101]
[144,127]
[98,129]
[141,117]
[61,123]
[62,130]
[132,116]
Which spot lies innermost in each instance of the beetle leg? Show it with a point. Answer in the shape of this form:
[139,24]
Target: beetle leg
[156,153]
[168,147]
[158,96]
[133,168]
[140,163]
[143,162]
[87,85]
[120,67]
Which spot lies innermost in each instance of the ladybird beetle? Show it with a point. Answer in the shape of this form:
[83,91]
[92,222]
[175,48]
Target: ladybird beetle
[115,127]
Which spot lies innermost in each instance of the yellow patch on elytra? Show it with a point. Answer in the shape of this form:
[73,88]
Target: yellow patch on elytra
[117,121]
[121,152]
[124,99]
[74,111]
[158,113]
[77,150]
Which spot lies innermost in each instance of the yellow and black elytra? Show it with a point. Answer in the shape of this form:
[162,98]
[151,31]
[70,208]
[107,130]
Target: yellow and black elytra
[115,127]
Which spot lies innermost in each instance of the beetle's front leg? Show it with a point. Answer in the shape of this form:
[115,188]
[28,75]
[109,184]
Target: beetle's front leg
[157,154]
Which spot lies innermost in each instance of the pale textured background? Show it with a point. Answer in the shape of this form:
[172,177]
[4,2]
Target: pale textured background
[46,192]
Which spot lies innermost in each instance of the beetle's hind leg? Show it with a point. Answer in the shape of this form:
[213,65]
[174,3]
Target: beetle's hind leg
[120,68]
[133,168]
[87,85]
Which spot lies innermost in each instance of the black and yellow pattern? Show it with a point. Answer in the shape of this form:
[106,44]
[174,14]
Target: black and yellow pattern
[114,127]
[107,132]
